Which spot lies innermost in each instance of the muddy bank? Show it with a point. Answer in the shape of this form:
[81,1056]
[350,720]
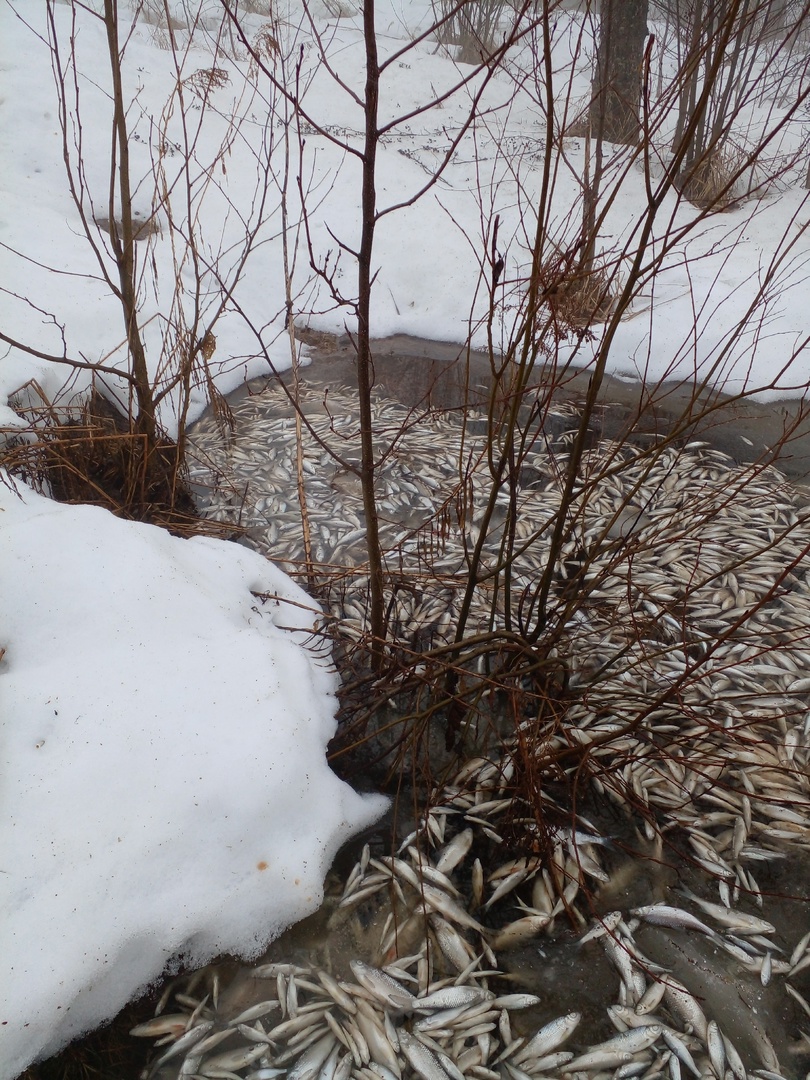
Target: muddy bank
[422,372]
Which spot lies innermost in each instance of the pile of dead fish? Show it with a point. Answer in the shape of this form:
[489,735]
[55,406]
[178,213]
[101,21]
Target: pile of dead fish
[436,998]
[685,647]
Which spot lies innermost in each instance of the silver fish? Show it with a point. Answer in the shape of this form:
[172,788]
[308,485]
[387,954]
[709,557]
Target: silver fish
[423,1061]
[184,1043]
[309,1064]
[452,997]
[235,1059]
[685,1006]
[734,920]
[549,1037]
[680,1051]
[716,1048]
[454,852]
[382,986]
[665,915]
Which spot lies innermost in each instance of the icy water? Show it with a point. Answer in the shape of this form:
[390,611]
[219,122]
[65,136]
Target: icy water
[568,977]
[751,1007]
[564,975]
[416,371]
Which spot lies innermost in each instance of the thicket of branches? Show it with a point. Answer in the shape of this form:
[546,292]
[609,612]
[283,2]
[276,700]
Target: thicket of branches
[701,99]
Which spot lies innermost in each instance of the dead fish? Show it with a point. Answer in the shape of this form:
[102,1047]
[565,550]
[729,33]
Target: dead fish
[632,981]
[549,1037]
[716,1048]
[618,1050]
[685,1006]
[452,997]
[454,852]
[519,932]
[551,1061]
[255,1034]
[476,885]
[453,946]
[255,1012]
[376,1038]
[681,1052]
[766,969]
[272,971]
[651,998]
[624,1017]
[677,918]
[383,987]
[733,920]
[337,993]
[799,950]
[447,907]
[423,1061]
[455,1020]
[600,1059]
[733,1059]
[516,1001]
[309,1064]
[168,1024]
[184,1043]
[606,925]
[235,1059]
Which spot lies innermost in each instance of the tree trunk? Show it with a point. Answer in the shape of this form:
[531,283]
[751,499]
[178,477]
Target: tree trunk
[365,372]
[619,59]
[775,19]
[123,243]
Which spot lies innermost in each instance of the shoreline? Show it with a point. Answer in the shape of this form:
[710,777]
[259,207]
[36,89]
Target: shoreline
[418,371]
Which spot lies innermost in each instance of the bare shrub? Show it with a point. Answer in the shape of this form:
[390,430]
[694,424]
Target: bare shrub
[714,182]
[472,27]
[517,611]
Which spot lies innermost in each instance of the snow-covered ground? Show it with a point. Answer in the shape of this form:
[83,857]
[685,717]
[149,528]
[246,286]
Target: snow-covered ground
[164,787]
[427,256]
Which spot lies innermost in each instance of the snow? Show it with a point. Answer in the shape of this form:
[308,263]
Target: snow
[59,302]
[164,786]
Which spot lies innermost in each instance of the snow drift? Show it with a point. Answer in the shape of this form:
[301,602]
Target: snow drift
[164,787]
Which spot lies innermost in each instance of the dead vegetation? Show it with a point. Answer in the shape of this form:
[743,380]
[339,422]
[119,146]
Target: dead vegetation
[89,455]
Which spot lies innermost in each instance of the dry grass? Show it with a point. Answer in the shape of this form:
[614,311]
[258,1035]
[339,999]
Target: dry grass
[575,297]
[712,183]
[87,455]
[105,1053]
[584,299]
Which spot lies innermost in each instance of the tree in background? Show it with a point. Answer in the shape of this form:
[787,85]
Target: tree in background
[618,77]
[733,52]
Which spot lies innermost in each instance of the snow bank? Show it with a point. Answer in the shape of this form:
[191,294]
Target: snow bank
[164,789]
[685,326]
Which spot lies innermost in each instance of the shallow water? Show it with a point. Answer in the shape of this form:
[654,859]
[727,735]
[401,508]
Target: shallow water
[553,965]
[420,371]
[565,975]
